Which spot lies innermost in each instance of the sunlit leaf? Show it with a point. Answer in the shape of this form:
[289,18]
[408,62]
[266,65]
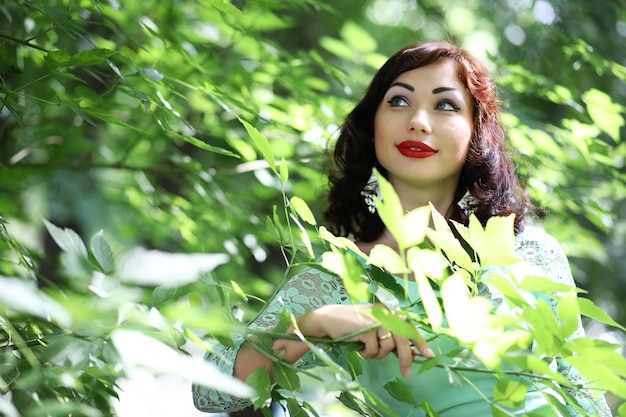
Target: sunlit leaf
[237,289]
[495,244]
[340,242]
[154,268]
[67,239]
[23,296]
[430,262]
[138,350]
[568,314]
[414,225]
[303,210]
[386,258]
[261,143]
[396,324]
[358,37]
[509,393]
[451,247]
[284,171]
[589,309]
[427,294]
[203,145]
[7,408]
[604,112]
[390,210]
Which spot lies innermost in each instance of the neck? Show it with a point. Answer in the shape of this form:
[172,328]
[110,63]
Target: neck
[412,197]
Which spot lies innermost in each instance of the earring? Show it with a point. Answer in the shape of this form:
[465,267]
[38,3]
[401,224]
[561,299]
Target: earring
[468,203]
[371,191]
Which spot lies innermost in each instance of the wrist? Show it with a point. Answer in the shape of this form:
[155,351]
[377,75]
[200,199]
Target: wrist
[312,323]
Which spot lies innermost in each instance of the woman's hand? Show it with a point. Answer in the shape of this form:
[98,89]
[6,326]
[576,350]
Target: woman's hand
[336,320]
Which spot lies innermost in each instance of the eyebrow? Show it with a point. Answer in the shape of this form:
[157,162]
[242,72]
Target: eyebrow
[443,89]
[409,87]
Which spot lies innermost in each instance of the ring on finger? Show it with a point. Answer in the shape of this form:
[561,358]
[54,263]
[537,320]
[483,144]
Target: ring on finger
[385,336]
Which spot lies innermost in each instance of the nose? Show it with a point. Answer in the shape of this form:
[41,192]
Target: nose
[420,122]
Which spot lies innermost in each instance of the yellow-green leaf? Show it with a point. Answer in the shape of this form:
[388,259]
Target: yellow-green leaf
[261,143]
[386,258]
[303,210]
[604,112]
[509,393]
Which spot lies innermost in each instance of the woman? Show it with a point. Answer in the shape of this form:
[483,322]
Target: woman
[429,123]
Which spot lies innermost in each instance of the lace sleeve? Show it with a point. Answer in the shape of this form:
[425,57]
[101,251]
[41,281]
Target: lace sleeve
[306,291]
[537,248]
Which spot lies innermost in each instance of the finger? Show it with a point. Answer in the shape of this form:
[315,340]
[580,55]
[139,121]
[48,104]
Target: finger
[423,348]
[386,344]
[405,355]
[370,342]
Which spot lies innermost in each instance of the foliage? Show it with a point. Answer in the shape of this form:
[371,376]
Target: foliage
[455,285]
[184,128]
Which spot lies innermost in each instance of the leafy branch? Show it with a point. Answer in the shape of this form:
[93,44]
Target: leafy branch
[26,43]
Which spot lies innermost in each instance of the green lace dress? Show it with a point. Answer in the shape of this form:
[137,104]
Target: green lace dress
[312,288]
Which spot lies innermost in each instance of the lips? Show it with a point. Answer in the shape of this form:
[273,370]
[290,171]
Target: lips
[415,149]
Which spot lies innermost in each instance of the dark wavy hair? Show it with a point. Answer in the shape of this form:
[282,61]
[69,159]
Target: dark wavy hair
[488,173]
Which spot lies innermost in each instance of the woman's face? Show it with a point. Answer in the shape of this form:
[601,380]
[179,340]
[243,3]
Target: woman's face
[423,127]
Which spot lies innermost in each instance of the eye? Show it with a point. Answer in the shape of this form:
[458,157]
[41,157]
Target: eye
[398,101]
[446,105]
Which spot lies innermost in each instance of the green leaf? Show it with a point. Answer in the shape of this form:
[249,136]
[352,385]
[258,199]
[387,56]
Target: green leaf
[295,409]
[88,57]
[604,112]
[284,171]
[509,393]
[67,239]
[350,401]
[398,390]
[390,209]
[205,146]
[431,263]
[237,289]
[396,324]
[23,296]
[154,268]
[303,210]
[386,258]
[161,295]
[139,351]
[261,143]
[57,59]
[259,380]
[429,299]
[359,38]
[285,377]
[495,244]
[102,252]
[542,284]
[599,377]
[428,410]
[567,311]
[589,309]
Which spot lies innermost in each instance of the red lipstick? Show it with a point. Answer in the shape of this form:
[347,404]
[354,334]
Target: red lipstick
[415,149]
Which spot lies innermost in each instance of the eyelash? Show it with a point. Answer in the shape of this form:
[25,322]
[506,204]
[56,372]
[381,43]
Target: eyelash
[455,108]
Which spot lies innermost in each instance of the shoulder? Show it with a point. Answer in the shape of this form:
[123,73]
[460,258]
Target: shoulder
[534,239]
[537,247]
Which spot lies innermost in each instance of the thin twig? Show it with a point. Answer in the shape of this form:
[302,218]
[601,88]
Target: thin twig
[23,42]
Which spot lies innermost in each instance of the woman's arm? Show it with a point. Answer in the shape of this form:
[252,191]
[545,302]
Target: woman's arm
[303,293]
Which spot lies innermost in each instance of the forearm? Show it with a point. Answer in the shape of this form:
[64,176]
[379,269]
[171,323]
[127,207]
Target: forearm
[250,358]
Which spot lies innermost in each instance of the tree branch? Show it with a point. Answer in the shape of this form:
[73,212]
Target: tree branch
[23,42]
